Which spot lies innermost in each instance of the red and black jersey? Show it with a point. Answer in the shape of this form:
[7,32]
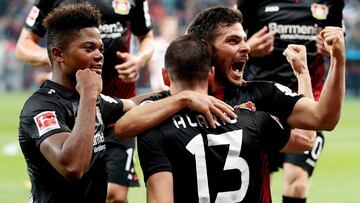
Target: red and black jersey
[296,22]
[119,19]
[51,110]
[226,164]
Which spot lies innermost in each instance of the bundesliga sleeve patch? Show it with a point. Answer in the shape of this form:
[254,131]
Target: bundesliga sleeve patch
[46,121]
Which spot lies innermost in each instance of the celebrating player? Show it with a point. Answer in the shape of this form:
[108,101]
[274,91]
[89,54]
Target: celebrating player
[119,20]
[185,160]
[270,29]
[62,124]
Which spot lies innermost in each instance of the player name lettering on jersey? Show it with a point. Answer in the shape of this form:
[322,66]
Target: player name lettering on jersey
[112,31]
[181,121]
[301,32]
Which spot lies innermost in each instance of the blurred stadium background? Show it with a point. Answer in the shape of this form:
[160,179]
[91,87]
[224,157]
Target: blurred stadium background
[336,179]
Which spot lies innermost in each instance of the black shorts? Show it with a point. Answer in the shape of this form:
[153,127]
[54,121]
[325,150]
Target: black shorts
[119,159]
[306,160]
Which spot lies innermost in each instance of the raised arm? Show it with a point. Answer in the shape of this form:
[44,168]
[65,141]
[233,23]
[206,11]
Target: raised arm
[300,140]
[70,153]
[29,51]
[325,114]
[150,114]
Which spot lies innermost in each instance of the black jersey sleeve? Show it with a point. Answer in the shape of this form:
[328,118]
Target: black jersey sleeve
[42,117]
[275,99]
[273,134]
[158,96]
[112,109]
[37,13]
[152,156]
[335,16]
[140,18]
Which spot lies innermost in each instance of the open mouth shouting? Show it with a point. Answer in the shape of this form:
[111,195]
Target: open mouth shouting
[238,68]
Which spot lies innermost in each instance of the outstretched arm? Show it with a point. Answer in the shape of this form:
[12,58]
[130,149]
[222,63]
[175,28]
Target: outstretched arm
[325,114]
[29,51]
[148,115]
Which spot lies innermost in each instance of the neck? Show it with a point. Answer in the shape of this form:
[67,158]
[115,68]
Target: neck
[200,88]
[64,80]
[217,88]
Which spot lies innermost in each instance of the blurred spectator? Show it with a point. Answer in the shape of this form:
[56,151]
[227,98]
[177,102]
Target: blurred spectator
[13,14]
[352,23]
[11,18]
[353,60]
[168,31]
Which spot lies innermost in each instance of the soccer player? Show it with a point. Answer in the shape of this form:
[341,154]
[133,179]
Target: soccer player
[61,131]
[221,28]
[184,160]
[119,20]
[289,22]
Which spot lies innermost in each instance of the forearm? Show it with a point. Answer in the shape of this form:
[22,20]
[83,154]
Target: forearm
[77,148]
[304,85]
[152,114]
[28,50]
[300,140]
[146,48]
[331,98]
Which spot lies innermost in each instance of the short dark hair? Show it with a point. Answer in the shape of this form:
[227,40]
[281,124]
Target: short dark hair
[205,24]
[64,22]
[187,59]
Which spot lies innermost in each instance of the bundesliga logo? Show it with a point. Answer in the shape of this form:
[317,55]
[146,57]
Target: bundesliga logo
[46,121]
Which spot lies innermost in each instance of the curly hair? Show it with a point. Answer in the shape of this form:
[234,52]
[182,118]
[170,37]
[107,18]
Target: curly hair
[64,23]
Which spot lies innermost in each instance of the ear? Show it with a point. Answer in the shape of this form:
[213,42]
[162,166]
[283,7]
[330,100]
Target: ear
[211,75]
[57,54]
[165,77]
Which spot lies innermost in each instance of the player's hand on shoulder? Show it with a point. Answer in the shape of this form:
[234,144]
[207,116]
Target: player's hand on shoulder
[296,56]
[334,41]
[209,106]
[261,43]
[88,82]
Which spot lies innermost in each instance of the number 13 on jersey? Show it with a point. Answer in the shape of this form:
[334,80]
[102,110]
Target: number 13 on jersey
[233,161]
